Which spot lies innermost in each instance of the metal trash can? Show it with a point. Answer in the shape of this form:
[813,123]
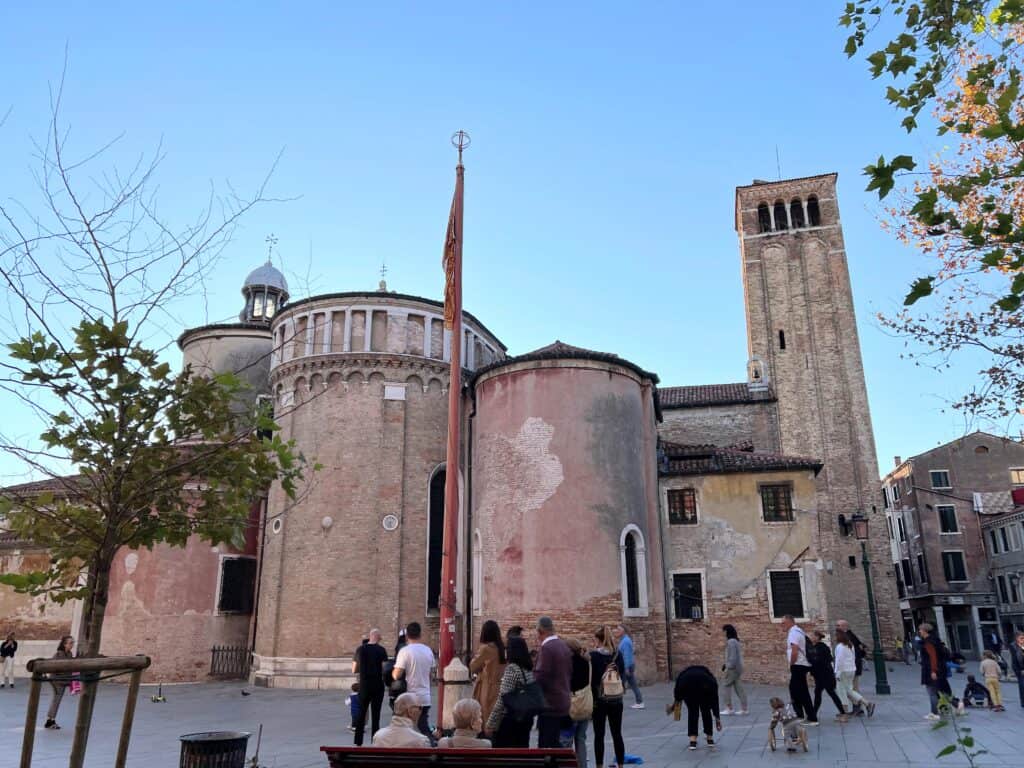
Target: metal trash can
[214,749]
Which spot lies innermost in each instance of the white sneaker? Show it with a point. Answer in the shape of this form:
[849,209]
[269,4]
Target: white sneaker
[743,712]
[729,711]
[930,716]
[639,706]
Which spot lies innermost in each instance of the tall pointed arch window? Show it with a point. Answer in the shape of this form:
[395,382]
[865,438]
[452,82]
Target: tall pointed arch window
[633,563]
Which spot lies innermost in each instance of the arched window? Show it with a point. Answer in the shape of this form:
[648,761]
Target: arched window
[633,559]
[435,539]
[764,218]
[780,215]
[813,212]
[796,213]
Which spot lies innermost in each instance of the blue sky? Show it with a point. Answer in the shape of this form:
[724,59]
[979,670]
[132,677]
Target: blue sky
[608,139]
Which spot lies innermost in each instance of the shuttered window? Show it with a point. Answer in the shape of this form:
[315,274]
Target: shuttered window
[786,594]
[237,584]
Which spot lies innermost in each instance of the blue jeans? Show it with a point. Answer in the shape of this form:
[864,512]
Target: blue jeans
[580,743]
[630,680]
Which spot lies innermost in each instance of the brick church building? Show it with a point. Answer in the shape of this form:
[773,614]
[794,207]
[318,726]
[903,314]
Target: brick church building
[588,491]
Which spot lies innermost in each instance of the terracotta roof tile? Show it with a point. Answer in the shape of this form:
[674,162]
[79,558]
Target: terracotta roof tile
[712,460]
[712,394]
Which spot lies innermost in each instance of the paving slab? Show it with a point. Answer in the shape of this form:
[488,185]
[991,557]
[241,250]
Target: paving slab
[296,723]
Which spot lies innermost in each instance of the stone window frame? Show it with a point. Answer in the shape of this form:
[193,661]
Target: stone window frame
[696,504]
[702,572]
[956,520]
[222,556]
[788,484]
[771,602]
[931,479]
[963,561]
[643,607]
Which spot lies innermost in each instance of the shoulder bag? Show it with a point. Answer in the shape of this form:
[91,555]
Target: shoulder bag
[525,701]
[581,706]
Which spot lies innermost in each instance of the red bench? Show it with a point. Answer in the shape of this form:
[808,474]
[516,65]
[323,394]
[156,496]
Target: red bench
[397,757]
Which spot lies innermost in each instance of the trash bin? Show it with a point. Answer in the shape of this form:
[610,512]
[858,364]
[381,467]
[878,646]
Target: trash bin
[214,749]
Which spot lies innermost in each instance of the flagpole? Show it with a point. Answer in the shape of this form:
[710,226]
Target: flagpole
[453,319]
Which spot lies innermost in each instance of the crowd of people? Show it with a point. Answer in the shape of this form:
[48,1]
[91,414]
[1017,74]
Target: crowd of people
[562,686]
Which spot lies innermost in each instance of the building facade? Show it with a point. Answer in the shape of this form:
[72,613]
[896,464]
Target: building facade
[939,505]
[587,491]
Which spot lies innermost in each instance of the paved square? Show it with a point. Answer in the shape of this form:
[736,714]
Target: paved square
[297,723]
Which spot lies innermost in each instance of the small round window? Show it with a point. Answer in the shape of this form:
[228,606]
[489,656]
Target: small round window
[277,525]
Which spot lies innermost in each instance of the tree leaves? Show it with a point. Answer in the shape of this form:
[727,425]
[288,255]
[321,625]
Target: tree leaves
[883,174]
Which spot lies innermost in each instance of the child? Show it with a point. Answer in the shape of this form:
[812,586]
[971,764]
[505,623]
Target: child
[990,671]
[353,706]
[794,734]
[976,694]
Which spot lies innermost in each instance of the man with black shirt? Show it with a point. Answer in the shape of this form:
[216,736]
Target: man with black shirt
[368,662]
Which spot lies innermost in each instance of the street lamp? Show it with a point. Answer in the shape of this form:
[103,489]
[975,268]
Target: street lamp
[860,530]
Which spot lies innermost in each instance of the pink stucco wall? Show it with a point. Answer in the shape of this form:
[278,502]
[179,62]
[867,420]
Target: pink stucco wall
[562,458]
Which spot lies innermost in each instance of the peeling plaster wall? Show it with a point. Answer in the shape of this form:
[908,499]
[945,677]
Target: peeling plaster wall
[30,618]
[563,460]
[163,603]
[735,548]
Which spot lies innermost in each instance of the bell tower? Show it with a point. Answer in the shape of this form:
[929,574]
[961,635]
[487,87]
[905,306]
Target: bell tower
[801,323]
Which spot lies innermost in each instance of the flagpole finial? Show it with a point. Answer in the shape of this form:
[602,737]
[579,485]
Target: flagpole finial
[460,140]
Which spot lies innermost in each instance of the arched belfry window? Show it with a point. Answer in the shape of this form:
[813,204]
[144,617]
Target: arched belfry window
[780,215]
[796,213]
[813,212]
[633,561]
[764,218]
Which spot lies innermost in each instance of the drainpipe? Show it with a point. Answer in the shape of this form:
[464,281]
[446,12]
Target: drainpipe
[259,571]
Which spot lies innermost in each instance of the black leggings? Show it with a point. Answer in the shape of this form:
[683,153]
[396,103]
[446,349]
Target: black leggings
[698,709]
[824,686]
[612,712]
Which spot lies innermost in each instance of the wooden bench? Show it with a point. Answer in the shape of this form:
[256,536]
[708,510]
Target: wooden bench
[398,757]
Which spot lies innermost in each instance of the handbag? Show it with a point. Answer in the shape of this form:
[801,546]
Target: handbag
[581,705]
[611,681]
[524,702]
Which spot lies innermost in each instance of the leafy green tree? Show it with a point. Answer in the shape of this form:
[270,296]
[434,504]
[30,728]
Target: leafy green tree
[136,454]
[960,60]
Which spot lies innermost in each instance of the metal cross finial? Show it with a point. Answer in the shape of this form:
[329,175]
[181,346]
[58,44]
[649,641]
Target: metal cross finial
[460,140]
[383,270]
[271,241]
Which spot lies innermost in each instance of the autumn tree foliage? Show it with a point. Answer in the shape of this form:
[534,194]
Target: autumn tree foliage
[961,61]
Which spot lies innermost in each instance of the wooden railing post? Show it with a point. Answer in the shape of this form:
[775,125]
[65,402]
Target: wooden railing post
[31,715]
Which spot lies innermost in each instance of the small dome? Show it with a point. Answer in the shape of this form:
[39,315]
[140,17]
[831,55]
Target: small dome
[268,276]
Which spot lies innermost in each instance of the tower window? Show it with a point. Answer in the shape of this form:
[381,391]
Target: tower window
[257,306]
[796,213]
[764,218]
[435,540]
[813,212]
[782,339]
[632,578]
[780,216]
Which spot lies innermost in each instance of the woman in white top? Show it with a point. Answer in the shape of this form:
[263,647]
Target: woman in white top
[846,669]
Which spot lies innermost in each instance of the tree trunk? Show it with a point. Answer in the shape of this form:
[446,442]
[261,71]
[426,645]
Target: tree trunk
[93,612]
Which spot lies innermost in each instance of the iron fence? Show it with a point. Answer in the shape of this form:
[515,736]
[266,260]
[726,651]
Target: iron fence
[230,661]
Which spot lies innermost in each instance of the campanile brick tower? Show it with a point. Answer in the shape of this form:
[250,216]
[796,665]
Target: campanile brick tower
[802,326]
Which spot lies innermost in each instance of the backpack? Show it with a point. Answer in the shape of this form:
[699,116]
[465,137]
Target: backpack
[611,681]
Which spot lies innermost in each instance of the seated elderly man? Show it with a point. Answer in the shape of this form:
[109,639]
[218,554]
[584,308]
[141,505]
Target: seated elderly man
[401,731]
[469,721]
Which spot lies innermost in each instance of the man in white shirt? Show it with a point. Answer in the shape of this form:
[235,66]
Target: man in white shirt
[799,668]
[414,663]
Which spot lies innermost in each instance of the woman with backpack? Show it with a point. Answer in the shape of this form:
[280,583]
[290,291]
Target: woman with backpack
[607,670]
[506,730]
[581,705]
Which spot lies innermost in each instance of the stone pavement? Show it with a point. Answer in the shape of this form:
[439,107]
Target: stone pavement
[297,723]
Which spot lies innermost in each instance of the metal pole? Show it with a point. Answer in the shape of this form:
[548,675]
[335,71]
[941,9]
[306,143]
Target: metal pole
[129,717]
[881,678]
[31,714]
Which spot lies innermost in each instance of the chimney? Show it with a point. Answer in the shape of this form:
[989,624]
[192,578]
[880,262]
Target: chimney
[898,459]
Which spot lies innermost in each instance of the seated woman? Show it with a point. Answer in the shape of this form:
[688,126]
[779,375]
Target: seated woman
[402,731]
[469,721]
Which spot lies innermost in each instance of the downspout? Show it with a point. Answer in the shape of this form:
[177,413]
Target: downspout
[470,597]
[259,571]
